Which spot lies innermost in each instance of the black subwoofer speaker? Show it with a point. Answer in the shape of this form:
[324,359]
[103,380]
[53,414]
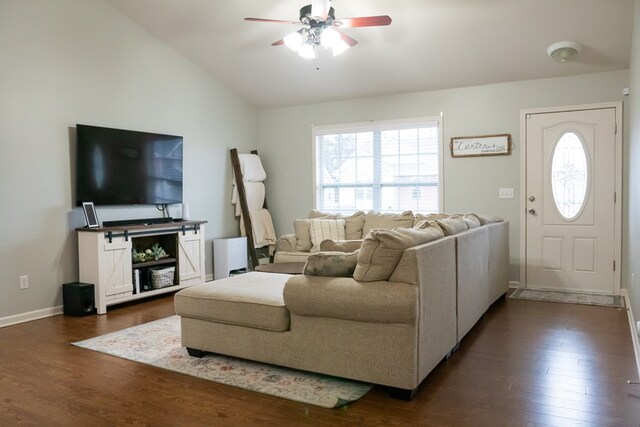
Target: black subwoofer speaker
[78,299]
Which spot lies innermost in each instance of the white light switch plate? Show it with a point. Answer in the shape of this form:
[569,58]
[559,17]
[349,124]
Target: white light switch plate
[505,193]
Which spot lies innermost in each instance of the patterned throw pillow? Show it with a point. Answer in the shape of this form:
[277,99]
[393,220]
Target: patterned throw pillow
[326,229]
[331,264]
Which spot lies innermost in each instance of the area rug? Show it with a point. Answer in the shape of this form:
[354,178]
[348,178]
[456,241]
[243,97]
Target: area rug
[157,343]
[569,297]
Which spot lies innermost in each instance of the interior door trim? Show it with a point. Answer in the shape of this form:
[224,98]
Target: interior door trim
[617,106]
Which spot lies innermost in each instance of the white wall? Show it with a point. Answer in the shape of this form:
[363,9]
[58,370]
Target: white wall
[631,243]
[80,61]
[470,184]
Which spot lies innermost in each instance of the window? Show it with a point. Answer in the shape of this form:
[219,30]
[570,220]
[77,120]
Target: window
[569,175]
[385,167]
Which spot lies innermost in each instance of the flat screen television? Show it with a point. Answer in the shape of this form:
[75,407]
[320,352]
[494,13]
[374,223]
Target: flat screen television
[124,167]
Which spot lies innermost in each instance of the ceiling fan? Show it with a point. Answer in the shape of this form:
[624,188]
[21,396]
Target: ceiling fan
[321,28]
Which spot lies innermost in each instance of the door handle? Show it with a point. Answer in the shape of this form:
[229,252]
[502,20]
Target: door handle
[532,199]
[532,211]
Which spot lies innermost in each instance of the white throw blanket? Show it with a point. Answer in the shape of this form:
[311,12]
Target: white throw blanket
[255,194]
[252,176]
[251,168]
[263,232]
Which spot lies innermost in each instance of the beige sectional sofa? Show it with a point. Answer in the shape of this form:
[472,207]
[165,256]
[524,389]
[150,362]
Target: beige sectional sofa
[396,315]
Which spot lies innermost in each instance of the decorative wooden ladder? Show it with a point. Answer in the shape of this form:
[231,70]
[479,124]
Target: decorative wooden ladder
[242,199]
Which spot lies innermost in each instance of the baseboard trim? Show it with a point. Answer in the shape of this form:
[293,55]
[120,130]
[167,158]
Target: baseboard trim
[29,316]
[208,277]
[633,329]
[513,284]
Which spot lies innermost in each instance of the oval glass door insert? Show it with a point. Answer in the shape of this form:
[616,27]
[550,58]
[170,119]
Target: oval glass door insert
[569,175]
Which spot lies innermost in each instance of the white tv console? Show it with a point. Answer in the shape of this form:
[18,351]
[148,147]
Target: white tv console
[105,258]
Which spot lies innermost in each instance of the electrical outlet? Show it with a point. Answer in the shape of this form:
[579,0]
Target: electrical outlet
[24,282]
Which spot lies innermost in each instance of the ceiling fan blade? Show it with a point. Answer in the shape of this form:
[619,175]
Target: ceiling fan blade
[363,21]
[272,21]
[348,40]
[320,9]
[278,43]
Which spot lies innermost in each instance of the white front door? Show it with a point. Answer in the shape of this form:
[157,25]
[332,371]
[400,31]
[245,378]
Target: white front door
[570,220]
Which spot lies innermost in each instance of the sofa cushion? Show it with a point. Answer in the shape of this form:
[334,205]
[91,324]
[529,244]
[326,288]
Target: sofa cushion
[314,214]
[323,229]
[252,299]
[286,242]
[452,225]
[285,256]
[428,217]
[386,220]
[429,225]
[382,249]
[302,228]
[340,245]
[488,219]
[353,226]
[471,220]
[331,264]
[345,298]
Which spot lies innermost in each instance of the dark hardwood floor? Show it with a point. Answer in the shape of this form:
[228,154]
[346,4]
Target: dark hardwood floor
[525,363]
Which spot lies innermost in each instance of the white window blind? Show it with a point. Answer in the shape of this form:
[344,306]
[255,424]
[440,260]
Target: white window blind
[385,167]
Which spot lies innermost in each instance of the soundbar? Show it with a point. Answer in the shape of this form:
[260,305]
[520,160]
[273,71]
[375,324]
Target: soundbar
[142,221]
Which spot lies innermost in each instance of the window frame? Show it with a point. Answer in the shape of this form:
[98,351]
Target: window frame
[380,125]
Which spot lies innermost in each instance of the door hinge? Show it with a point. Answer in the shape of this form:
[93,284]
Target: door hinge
[614,265]
[616,128]
[615,197]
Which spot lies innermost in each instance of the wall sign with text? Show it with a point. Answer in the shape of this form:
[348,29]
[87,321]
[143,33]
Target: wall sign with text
[485,145]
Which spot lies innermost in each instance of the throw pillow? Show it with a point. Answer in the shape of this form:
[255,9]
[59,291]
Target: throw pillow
[302,229]
[488,219]
[382,249]
[428,217]
[386,220]
[431,226]
[452,225]
[331,264]
[340,245]
[353,225]
[471,220]
[325,229]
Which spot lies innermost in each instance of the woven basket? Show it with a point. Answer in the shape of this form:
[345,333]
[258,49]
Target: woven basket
[162,277]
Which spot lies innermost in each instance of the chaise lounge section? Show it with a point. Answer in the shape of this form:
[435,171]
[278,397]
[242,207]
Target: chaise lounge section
[391,331]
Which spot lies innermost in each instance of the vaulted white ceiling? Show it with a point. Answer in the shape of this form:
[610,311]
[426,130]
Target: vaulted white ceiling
[430,45]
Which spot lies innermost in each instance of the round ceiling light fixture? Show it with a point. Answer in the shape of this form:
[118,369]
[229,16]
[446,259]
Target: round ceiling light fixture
[564,51]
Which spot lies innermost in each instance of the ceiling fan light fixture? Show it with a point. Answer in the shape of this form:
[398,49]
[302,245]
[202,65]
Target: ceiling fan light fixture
[329,38]
[293,41]
[307,51]
[321,29]
[564,51]
[339,47]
